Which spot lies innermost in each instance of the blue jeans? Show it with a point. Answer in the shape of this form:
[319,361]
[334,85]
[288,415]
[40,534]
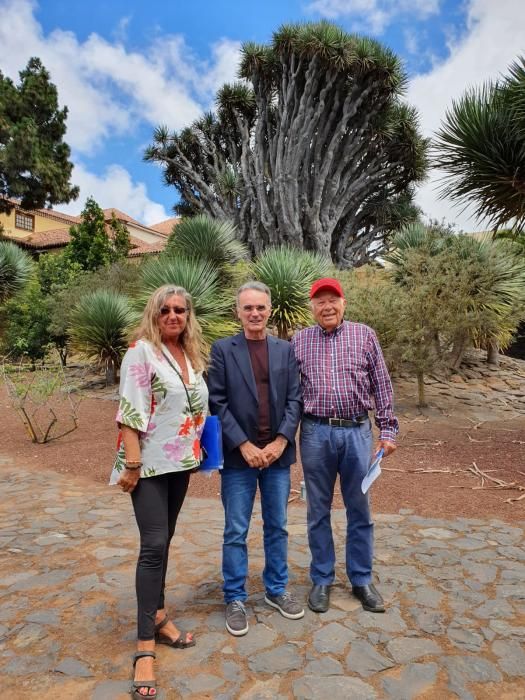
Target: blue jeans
[326,452]
[238,488]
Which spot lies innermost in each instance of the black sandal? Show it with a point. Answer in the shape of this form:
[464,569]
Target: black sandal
[137,685]
[180,643]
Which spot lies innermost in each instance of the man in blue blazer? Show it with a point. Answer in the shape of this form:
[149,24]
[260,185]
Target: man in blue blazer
[254,388]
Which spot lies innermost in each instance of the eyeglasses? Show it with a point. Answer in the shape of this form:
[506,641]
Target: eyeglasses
[178,310]
[260,308]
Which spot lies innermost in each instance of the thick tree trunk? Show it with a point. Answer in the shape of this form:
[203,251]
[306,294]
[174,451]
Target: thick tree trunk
[111,372]
[421,402]
[493,353]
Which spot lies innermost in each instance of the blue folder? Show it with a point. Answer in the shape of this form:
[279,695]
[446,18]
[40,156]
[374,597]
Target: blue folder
[211,444]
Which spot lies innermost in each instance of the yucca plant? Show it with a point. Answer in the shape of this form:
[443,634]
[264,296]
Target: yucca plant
[211,240]
[100,326]
[480,147]
[213,307]
[498,289]
[16,268]
[289,274]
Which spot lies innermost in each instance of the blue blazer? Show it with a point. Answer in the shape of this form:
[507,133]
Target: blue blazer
[233,395]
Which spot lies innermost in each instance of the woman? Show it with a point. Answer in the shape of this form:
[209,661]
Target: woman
[163,400]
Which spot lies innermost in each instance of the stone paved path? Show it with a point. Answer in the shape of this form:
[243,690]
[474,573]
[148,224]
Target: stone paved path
[455,625]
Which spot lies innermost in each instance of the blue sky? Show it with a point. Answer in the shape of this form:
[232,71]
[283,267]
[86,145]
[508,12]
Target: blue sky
[124,67]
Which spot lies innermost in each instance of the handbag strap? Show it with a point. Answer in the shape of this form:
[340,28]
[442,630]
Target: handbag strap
[179,375]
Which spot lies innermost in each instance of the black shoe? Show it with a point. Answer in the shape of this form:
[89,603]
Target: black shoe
[319,598]
[370,598]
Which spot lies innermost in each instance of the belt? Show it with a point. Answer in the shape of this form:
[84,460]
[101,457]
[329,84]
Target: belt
[339,422]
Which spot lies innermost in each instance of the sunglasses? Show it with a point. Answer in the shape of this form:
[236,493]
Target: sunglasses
[178,310]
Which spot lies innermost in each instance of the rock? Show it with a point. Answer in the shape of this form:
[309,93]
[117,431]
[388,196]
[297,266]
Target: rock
[333,687]
[414,680]
[512,657]
[201,685]
[405,649]
[73,667]
[281,659]
[107,552]
[365,660]
[465,638]
[325,666]
[44,617]
[493,608]
[464,669]
[259,637]
[428,621]
[438,533]
[332,638]
[389,621]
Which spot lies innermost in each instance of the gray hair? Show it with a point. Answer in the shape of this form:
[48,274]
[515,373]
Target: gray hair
[257,286]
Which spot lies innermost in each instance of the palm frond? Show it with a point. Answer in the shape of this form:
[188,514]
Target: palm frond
[203,238]
[16,268]
[201,279]
[100,325]
[289,274]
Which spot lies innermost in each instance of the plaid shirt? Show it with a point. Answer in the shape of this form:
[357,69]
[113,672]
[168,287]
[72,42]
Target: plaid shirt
[343,374]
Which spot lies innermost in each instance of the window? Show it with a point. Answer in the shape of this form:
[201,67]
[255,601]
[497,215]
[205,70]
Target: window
[24,221]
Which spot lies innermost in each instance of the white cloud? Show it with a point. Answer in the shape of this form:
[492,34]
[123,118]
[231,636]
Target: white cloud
[110,90]
[493,41]
[374,15]
[115,188]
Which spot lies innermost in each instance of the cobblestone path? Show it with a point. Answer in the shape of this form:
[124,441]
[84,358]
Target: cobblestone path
[454,628]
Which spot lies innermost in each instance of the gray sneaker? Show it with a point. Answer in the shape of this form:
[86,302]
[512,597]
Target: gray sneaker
[286,605]
[236,620]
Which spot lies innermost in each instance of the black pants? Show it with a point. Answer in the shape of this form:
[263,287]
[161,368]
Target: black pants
[157,501]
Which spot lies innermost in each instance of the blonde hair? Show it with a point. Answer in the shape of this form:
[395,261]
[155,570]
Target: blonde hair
[190,338]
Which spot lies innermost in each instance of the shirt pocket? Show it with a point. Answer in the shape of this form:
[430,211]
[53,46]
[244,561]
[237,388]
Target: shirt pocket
[353,368]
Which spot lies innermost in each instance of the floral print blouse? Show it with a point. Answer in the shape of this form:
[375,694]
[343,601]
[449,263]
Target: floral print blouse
[153,401]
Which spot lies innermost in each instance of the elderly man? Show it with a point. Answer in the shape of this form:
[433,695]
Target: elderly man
[343,376]
[254,388]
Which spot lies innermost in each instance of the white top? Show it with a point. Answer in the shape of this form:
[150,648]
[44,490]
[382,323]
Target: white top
[153,402]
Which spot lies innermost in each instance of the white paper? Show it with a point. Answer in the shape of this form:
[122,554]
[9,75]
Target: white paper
[374,470]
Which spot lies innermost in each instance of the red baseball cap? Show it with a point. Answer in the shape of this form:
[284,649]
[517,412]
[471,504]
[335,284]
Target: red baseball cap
[327,284]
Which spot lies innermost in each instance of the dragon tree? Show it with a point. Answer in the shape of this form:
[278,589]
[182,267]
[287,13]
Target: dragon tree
[312,148]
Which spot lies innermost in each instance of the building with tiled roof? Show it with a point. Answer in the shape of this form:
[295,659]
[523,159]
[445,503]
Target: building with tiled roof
[43,230]
[166,227]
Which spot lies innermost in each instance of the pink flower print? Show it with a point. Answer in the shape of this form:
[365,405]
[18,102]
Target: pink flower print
[151,427]
[174,450]
[141,372]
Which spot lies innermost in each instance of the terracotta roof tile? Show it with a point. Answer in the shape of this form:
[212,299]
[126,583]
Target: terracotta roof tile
[58,238]
[122,216]
[54,238]
[166,227]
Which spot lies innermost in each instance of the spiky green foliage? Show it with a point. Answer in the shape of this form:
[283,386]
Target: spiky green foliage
[314,149]
[481,149]
[16,268]
[100,326]
[203,238]
[213,307]
[289,274]
[34,160]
